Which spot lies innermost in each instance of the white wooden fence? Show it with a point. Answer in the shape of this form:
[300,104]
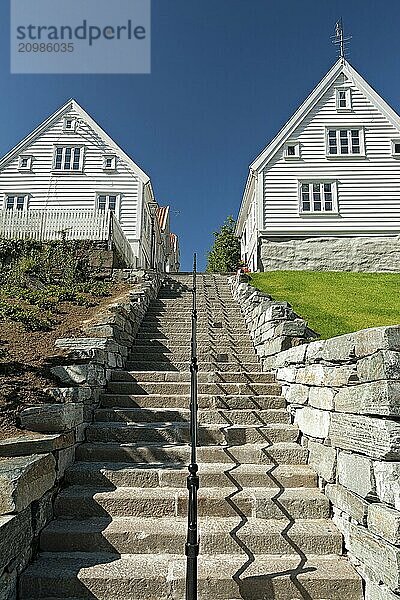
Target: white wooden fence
[54,224]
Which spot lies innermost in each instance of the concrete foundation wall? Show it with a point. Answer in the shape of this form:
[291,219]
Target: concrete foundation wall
[365,254]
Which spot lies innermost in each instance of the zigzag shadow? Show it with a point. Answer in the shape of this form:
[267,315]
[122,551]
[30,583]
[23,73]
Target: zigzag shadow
[261,587]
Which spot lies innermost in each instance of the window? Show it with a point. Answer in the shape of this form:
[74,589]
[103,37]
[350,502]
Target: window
[318,197]
[343,99]
[345,142]
[396,148]
[292,151]
[107,202]
[69,124]
[16,202]
[109,162]
[25,163]
[68,158]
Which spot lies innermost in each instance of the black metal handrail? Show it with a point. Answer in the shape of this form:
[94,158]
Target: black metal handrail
[192,540]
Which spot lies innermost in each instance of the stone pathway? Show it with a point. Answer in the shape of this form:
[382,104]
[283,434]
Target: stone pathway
[120,524]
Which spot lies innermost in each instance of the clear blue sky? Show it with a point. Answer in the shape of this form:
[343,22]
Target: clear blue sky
[226,74]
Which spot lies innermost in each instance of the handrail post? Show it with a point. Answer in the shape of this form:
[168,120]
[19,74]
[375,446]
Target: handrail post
[192,541]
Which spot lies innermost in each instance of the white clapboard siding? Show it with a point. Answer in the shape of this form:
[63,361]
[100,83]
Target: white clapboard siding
[71,191]
[368,187]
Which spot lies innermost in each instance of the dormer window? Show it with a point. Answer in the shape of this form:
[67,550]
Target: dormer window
[343,99]
[69,124]
[25,163]
[109,162]
[396,148]
[292,151]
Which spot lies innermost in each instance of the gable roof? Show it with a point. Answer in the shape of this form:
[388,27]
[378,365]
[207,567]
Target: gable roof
[342,66]
[65,109]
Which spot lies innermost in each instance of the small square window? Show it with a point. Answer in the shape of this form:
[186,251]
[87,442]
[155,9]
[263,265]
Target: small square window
[396,148]
[25,163]
[69,124]
[292,151]
[109,162]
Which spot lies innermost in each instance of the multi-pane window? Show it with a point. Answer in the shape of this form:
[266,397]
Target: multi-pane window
[343,99]
[318,197]
[106,202]
[345,142]
[68,158]
[16,202]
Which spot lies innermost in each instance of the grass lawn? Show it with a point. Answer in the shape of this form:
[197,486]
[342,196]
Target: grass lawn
[336,303]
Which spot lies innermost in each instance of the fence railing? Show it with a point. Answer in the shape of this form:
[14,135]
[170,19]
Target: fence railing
[69,224]
[192,541]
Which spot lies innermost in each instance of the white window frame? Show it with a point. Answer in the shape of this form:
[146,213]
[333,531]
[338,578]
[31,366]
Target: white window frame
[321,183]
[28,166]
[16,195]
[70,170]
[349,129]
[107,195]
[113,158]
[395,154]
[296,155]
[74,123]
[348,98]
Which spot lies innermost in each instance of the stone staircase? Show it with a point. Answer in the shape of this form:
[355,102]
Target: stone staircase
[120,524]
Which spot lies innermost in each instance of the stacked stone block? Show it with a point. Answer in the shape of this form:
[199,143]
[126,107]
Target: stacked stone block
[32,466]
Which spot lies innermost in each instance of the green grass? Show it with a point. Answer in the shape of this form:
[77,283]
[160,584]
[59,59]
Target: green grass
[336,303]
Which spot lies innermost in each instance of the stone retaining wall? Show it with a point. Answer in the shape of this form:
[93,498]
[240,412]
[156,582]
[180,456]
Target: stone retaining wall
[32,466]
[373,254]
[344,394]
[273,325]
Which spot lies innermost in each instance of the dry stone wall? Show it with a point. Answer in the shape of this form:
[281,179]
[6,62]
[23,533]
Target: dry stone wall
[32,465]
[344,395]
[273,325]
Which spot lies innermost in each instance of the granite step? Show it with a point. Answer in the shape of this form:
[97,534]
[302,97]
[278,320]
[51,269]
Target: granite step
[280,453]
[115,474]
[205,401]
[134,535]
[163,415]
[80,502]
[162,577]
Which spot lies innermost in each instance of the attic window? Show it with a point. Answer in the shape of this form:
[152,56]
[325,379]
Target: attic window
[69,124]
[292,151]
[345,142]
[109,162]
[396,148]
[343,99]
[25,163]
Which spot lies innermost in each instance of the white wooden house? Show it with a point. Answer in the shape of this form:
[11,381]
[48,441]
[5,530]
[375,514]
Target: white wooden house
[69,176]
[325,193]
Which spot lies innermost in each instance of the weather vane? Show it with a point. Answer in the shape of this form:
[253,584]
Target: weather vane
[340,40]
